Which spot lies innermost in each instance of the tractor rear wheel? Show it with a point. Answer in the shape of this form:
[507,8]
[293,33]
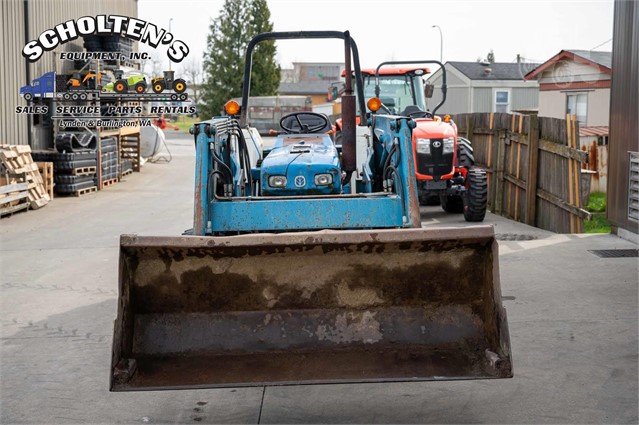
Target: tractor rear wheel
[452,204]
[476,198]
[179,85]
[120,86]
[465,156]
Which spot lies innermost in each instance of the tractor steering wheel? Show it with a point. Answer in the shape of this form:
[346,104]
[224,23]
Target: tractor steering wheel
[303,128]
[420,114]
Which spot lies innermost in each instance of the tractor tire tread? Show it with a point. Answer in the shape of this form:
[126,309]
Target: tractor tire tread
[477,195]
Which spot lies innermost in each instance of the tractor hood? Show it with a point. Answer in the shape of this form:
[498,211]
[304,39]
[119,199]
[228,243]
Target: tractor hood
[433,129]
[300,159]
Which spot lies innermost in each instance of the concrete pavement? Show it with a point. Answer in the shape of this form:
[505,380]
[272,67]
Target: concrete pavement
[572,317]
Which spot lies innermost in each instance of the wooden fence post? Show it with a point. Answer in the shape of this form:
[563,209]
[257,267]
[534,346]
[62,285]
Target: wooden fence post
[499,171]
[533,167]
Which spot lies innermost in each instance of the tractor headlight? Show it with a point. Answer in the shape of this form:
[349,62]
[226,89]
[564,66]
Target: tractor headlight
[323,179]
[449,145]
[423,146]
[277,181]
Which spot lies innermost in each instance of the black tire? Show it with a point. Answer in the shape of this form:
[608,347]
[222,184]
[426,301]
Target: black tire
[429,199]
[66,96]
[28,97]
[75,96]
[158,86]
[476,197]
[465,155]
[179,85]
[83,96]
[120,86]
[452,204]
[140,87]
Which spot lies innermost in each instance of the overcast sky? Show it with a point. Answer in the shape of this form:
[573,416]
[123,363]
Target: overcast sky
[402,29]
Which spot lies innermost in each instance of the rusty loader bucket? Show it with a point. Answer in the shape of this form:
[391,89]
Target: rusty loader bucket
[309,307]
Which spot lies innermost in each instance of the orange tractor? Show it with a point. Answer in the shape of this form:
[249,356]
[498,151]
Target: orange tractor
[444,162]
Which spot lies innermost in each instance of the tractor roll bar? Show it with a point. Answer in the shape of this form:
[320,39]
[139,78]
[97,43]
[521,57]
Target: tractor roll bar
[292,35]
[348,99]
[444,87]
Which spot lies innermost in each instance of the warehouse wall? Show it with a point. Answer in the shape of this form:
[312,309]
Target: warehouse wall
[42,15]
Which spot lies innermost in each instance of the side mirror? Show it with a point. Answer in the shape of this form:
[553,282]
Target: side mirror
[429,89]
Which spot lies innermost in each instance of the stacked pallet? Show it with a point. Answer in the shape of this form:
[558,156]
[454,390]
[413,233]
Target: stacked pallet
[19,174]
[108,162]
[75,173]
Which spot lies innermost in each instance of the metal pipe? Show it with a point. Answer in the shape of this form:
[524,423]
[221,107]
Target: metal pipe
[444,86]
[349,132]
[291,35]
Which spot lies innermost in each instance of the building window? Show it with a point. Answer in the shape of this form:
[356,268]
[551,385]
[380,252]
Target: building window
[577,104]
[502,101]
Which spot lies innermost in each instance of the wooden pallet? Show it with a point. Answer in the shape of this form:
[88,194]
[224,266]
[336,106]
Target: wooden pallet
[46,171]
[17,164]
[84,191]
[109,182]
[14,197]
[127,172]
[83,171]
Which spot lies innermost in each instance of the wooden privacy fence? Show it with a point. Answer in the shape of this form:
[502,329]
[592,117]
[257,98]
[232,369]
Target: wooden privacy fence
[526,151]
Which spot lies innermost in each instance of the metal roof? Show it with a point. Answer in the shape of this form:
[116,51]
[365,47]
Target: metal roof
[595,130]
[498,70]
[601,58]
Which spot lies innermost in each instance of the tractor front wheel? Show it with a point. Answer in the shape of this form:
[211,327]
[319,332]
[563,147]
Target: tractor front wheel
[120,86]
[158,86]
[452,204]
[476,197]
[179,85]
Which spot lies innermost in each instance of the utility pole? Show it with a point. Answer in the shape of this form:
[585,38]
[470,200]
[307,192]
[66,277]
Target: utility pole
[441,43]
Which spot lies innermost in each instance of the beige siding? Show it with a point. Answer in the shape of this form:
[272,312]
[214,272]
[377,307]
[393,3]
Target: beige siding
[42,15]
[552,103]
[482,99]
[599,107]
[525,98]
[456,100]
[567,71]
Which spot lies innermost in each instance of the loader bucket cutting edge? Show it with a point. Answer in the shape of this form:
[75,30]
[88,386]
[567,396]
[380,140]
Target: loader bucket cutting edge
[309,307]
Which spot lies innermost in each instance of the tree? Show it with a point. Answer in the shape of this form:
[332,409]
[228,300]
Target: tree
[223,57]
[265,74]
[230,32]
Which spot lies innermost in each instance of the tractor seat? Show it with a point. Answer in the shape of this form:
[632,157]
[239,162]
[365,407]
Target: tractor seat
[309,120]
[411,109]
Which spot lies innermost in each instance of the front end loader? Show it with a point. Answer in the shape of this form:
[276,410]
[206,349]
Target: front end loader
[306,265]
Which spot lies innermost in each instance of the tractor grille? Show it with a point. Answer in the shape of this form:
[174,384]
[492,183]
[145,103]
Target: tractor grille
[615,253]
[437,163]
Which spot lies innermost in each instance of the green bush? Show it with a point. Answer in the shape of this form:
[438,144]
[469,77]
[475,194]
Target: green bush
[597,202]
[597,206]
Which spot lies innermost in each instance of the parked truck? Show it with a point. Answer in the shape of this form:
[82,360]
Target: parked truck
[56,86]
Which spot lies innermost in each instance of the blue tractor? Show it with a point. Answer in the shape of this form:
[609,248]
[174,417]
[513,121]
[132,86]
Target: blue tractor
[307,265]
